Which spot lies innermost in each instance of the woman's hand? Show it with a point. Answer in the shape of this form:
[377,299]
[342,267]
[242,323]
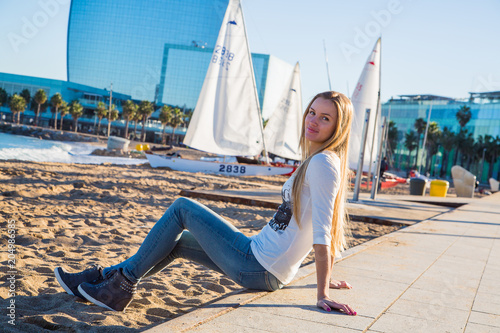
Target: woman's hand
[336,284]
[328,304]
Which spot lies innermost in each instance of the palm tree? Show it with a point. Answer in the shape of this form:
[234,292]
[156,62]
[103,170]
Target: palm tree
[136,119]
[188,114]
[419,125]
[145,110]
[102,111]
[479,147]
[40,98]
[25,93]
[432,144]
[496,152]
[460,141]
[447,141]
[64,110]
[3,96]
[17,104]
[129,111]
[76,111]
[392,137]
[56,101]
[177,119]
[468,150]
[410,144]
[492,151]
[463,116]
[113,114]
[165,118]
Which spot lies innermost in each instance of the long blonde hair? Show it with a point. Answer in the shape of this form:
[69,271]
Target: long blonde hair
[339,143]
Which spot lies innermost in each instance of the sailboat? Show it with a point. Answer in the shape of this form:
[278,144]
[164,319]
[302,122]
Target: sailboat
[366,95]
[282,132]
[227,118]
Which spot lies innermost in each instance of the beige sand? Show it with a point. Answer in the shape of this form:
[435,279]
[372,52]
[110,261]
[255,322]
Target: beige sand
[78,215]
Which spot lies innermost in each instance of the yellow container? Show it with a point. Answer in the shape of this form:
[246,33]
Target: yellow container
[142,147]
[439,188]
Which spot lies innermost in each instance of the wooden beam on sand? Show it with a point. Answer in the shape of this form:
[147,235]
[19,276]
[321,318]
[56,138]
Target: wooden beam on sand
[268,201]
[242,200]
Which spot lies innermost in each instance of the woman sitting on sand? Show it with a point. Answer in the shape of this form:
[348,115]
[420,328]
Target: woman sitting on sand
[266,261]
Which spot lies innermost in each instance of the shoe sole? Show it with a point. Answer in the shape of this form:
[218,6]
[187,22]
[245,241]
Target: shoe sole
[93,300]
[61,282]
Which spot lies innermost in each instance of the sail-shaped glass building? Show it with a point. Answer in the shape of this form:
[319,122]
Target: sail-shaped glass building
[154,50]
[125,43]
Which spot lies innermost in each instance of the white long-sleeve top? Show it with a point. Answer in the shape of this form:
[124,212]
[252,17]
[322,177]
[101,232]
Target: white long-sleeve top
[281,246]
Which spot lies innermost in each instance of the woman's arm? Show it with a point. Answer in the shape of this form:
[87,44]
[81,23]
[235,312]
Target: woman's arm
[323,269]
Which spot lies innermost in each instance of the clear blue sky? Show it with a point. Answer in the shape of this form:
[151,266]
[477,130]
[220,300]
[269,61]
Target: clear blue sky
[441,47]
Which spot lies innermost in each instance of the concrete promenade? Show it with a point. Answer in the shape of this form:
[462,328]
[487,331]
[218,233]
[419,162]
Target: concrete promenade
[439,275]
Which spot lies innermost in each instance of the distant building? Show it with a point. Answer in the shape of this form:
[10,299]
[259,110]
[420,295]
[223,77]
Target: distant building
[88,97]
[153,50]
[485,120]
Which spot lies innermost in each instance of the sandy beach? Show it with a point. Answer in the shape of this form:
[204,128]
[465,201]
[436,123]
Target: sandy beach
[77,215]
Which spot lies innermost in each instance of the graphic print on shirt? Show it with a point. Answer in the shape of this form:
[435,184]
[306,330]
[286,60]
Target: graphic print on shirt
[283,215]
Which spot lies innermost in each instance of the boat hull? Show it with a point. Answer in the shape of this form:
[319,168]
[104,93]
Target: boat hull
[219,168]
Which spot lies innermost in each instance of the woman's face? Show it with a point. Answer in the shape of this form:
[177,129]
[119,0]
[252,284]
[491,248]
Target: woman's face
[320,122]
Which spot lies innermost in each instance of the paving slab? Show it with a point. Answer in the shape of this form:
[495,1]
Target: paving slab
[440,275]
[397,323]
[487,303]
[450,300]
[485,318]
[432,312]
[476,328]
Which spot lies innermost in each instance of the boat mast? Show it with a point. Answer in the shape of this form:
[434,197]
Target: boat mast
[357,183]
[266,156]
[110,96]
[376,117]
[419,158]
[327,70]
[376,174]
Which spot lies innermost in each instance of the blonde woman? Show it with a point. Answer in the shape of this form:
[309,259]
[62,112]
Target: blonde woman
[311,216]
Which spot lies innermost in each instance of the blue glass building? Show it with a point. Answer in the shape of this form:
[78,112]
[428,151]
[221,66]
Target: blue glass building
[183,72]
[153,50]
[485,120]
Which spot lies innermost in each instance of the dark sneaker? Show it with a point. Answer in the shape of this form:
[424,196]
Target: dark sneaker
[71,281]
[115,292]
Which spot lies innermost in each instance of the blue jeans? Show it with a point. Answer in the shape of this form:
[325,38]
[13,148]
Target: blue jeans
[189,230]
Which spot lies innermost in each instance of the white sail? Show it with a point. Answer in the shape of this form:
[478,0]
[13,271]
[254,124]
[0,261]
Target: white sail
[282,131]
[365,96]
[277,80]
[227,119]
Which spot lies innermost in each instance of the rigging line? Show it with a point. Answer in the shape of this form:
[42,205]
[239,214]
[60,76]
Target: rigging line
[259,111]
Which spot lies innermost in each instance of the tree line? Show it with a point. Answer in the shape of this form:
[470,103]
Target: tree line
[132,112]
[461,147]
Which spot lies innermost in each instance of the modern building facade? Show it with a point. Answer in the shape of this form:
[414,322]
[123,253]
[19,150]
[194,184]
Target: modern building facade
[153,50]
[88,96]
[485,120]
[123,42]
